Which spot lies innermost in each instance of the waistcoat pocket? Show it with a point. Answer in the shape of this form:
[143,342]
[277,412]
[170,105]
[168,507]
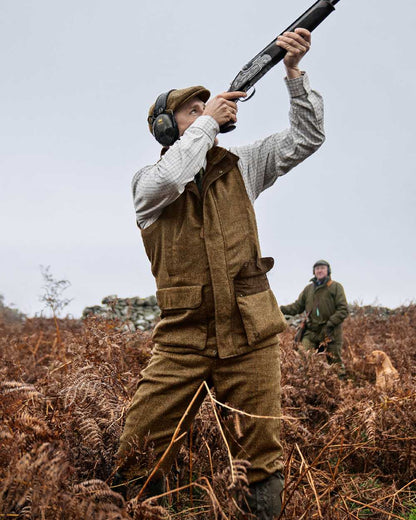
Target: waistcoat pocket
[252,278]
[182,322]
[186,297]
[261,316]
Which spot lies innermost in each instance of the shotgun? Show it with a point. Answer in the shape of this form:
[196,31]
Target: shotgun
[256,68]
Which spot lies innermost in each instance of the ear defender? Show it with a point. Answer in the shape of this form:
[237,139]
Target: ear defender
[163,122]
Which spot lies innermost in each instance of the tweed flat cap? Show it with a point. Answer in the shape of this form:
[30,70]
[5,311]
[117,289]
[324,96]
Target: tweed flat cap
[178,97]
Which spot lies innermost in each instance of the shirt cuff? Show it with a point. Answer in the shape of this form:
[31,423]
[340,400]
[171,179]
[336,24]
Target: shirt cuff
[298,86]
[208,125]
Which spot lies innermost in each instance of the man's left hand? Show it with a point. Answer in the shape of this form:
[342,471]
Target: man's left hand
[296,44]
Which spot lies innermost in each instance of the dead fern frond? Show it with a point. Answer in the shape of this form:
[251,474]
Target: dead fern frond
[90,433]
[24,390]
[146,511]
[98,490]
[28,423]
[239,474]
[370,424]
[32,483]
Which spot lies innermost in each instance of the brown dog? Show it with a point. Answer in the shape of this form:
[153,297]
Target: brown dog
[386,374]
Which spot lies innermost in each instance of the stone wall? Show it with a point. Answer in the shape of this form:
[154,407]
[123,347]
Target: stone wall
[134,313]
[142,313]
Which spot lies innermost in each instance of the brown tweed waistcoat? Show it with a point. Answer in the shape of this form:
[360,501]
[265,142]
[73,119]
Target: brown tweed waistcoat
[205,256]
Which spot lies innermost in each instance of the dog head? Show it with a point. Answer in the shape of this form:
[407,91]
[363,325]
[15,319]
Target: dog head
[376,357]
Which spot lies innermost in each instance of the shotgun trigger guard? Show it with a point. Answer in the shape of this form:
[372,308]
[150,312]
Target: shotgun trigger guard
[243,100]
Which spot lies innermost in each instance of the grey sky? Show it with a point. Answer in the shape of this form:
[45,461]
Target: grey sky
[78,78]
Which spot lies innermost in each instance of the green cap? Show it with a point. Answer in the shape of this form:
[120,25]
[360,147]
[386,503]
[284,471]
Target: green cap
[321,262]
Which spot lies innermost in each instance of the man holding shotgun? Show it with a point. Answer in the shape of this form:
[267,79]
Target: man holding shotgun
[219,317]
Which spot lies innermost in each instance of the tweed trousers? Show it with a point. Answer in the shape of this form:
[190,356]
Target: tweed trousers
[249,382]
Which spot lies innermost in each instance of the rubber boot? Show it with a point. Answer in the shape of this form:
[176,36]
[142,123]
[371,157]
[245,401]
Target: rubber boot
[264,500]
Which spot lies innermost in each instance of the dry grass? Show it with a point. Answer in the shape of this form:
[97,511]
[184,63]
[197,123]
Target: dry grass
[350,449]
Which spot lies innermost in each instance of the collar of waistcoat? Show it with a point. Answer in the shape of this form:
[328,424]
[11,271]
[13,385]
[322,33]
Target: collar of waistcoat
[216,154]
[219,162]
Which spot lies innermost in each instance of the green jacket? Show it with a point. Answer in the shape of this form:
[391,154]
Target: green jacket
[326,305]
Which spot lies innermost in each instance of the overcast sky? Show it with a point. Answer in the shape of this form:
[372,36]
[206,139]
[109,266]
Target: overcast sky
[77,79]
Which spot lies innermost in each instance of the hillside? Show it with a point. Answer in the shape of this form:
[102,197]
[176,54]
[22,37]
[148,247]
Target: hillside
[350,448]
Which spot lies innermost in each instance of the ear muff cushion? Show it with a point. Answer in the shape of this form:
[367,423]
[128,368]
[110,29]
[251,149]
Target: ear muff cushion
[165,129]
[164,126]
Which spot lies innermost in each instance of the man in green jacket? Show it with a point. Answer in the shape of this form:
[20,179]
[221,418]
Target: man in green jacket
[326,306]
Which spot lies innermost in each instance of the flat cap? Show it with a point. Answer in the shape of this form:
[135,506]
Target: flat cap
[178,97]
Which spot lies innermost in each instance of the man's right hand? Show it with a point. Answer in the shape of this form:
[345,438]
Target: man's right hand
[222,107]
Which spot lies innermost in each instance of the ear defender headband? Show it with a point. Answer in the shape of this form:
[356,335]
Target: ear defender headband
[163,122]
